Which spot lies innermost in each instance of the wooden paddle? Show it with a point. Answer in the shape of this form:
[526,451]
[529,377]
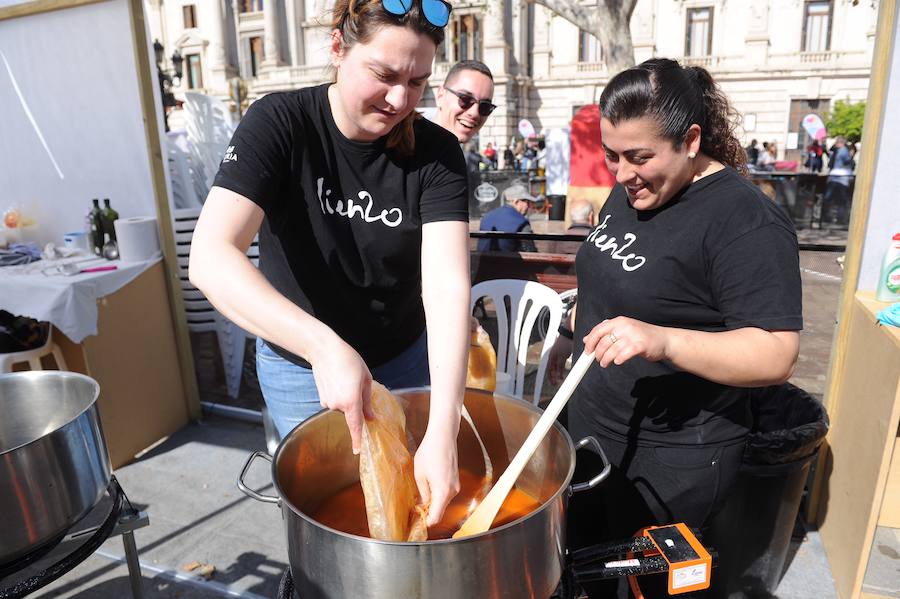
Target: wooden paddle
[483,516]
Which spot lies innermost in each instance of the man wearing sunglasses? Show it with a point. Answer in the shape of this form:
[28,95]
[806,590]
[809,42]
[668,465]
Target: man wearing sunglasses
[464,100]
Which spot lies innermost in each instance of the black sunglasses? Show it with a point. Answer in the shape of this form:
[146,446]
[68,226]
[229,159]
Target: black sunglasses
[437,12]
[485,108]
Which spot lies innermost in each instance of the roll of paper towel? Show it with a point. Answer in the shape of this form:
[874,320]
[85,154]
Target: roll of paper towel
[137,238]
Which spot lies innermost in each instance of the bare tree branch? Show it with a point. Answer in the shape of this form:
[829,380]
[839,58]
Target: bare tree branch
[607,20]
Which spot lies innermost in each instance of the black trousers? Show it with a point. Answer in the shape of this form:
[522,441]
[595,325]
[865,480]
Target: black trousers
[648,486]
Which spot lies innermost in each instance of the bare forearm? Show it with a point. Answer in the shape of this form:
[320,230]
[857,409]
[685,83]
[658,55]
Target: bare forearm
[445,294]
[747,357]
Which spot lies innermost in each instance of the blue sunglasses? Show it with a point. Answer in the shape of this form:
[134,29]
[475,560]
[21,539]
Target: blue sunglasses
[437,12]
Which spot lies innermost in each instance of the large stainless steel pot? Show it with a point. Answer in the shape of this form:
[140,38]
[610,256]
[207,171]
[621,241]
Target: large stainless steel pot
[518,560]
[54,465]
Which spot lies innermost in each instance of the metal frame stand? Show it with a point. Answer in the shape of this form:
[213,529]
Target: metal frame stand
[129,520]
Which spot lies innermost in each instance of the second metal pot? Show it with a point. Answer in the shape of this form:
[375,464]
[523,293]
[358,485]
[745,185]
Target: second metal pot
[54,465]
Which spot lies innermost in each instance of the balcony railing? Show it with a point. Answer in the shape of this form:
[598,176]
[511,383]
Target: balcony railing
[591,67]
[698,61]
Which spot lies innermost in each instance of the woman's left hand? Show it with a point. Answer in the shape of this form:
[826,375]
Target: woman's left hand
[437,473]
[619,339]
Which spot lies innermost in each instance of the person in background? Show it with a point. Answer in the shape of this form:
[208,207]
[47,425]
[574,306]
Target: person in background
[361,210]
[474,162]
[814,157]
[464,99]
[519,154]
[766,159]
[753,152]
[509,159]
[509,218]
[491,154]
[836,200]
[581,219]
[674,305]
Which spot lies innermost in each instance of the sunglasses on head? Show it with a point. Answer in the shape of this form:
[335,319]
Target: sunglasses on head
[485,107]
[437,12]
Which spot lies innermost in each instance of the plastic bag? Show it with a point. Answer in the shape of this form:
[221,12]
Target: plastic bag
[386,473]
[789,425]
[482,369]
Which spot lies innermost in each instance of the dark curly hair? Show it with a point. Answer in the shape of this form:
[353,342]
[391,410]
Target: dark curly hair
[677,97]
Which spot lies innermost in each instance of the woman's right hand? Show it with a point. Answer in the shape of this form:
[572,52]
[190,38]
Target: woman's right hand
[345,384]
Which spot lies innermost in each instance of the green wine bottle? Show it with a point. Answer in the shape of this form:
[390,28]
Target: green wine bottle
[109,218]
[95,216]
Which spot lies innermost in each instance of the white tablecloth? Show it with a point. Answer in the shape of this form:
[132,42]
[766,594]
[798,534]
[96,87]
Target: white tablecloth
[68,302]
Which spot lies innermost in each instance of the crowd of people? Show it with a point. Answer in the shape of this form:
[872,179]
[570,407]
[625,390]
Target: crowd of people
[361,207]
[815,155]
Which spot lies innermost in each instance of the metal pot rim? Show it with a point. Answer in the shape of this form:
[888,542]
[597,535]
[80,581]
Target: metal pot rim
[61,374]
[321,414]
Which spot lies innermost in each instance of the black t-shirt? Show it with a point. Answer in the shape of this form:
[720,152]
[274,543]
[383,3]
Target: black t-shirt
[718,256]
[342,232]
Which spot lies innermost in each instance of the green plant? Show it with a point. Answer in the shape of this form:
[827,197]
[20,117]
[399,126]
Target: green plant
[846,118]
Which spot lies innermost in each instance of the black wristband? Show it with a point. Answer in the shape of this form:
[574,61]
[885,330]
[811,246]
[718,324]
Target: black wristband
[564,332]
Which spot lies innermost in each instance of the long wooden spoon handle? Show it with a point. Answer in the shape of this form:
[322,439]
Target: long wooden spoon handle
[483,516]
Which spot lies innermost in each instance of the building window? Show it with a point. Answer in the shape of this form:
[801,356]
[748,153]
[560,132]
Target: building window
[817,26]
[466,35]
[256,55]
[251,5]
[193,71]
[698,41]
[190,16]
[588,47]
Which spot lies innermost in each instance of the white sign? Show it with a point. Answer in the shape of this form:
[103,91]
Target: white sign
[792,140]
[486,193]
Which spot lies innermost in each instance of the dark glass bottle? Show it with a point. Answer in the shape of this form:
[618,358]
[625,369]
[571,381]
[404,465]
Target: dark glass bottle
[109,217]
[95,217]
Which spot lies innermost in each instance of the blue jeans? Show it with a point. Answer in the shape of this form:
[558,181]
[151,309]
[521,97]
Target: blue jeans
[290,390]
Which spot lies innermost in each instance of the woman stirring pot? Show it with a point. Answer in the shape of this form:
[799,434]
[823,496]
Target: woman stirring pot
[689,294]
[362,218]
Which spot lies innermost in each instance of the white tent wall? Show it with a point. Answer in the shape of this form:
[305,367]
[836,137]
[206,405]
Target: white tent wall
[72,126]
[81,118]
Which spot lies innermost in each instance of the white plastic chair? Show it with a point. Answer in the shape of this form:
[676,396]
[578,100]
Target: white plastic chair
[184,191]
[33,356]
[201,315]
[209,128]
[515,325]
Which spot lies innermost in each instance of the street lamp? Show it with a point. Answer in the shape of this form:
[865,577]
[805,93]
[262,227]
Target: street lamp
[166,81]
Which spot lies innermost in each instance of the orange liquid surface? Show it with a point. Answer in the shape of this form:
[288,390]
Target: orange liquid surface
[346,510]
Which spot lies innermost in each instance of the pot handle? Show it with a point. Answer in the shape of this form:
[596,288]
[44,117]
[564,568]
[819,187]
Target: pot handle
[607,467]
[247,490]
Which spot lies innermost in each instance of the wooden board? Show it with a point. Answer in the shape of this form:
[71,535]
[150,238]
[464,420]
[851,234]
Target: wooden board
[890,504]
[864,416]
[134,358]
[863,201]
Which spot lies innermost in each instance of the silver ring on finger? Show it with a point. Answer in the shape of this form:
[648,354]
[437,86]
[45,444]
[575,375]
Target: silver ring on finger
[613,338]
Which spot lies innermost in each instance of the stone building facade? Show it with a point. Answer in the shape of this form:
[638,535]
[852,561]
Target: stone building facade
[778,60]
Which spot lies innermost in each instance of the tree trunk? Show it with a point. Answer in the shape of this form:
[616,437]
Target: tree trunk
[609,21]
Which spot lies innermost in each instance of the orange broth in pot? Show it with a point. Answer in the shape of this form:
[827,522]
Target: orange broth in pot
[346,510]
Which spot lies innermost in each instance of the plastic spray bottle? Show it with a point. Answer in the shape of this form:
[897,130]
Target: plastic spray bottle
[889,281]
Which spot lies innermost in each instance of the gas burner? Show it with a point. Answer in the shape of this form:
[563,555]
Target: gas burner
[286,588]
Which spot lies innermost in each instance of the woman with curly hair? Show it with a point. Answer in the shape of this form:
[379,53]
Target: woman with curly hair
[689,296]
